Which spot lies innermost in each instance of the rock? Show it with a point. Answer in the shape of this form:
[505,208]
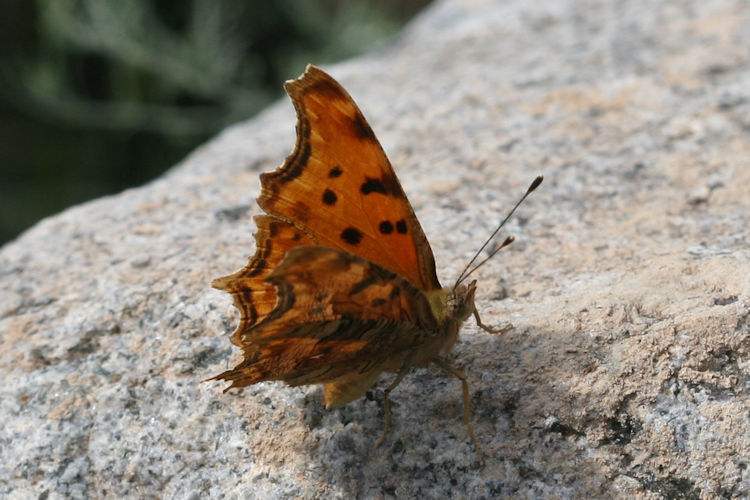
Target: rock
[627,373]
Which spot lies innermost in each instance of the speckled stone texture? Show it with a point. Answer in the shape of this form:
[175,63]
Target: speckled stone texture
[627,374]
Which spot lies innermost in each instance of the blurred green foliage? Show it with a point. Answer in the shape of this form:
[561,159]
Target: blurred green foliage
[100,95]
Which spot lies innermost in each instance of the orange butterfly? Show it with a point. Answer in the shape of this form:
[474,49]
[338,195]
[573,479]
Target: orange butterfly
[342,286]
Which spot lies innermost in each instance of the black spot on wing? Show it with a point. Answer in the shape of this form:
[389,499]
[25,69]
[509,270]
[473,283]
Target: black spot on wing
[386,227]
[401,226]
[377,302]
[351,235]
[329,197]
[335,172]
[372,185]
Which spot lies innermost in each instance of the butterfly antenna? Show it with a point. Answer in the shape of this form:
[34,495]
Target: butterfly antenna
[464,274]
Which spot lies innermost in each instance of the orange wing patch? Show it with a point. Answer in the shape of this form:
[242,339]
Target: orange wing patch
[339,185]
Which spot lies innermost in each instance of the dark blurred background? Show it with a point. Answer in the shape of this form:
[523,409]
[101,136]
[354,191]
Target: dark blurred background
[100,95]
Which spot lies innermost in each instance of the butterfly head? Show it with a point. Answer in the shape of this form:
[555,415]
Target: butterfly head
[459,303]
[453,305]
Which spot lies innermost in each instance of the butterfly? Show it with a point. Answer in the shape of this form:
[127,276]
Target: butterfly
[343,285]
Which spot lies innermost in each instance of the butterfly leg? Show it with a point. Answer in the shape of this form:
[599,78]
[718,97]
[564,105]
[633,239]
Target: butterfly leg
[387,402]
[489,329]
[450,369]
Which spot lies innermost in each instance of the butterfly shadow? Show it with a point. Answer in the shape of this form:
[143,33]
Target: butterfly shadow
[521,413]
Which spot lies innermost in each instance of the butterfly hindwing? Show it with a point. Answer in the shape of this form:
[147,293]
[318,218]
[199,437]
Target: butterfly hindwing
[339,319]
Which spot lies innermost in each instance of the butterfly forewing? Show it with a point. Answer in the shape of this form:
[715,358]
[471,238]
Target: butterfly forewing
[339,186]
